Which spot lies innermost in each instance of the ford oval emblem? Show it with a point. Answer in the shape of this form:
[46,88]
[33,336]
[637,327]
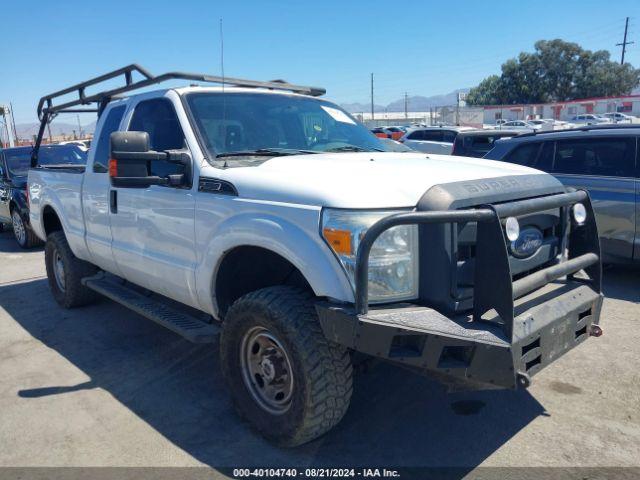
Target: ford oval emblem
[528,243]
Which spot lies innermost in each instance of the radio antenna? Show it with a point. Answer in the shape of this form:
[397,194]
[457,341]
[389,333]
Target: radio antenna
[224,100]
[222,54]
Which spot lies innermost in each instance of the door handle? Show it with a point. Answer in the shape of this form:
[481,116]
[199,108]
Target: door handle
[113,201]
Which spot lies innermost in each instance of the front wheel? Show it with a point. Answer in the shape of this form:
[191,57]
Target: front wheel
[65,272]
[285,378]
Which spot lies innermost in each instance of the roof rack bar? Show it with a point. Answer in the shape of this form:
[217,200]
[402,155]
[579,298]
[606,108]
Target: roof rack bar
[80,87]
[584,128]
[47,110]
[150,79]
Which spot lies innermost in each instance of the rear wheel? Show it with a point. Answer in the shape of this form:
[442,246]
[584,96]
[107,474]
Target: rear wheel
[285,378]
[22,233]
[65,272]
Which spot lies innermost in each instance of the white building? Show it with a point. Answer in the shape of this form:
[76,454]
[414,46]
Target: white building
[628,104]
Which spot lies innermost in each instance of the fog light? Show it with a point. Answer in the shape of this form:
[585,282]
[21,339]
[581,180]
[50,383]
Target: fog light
[579,213]
[512,228]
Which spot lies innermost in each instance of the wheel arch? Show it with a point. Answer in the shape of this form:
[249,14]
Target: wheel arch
[51,221]
[278,239]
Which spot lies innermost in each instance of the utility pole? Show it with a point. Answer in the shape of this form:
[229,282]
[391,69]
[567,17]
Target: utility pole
[624,42]
[79,126]
[406,113]
[13,122]
[372,114]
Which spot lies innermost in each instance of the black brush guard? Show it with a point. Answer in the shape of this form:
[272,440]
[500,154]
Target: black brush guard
[516,327]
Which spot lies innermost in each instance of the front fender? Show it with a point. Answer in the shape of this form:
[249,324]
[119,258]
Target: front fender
[302,246]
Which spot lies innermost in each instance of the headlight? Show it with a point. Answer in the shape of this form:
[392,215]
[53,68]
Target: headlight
[393,262]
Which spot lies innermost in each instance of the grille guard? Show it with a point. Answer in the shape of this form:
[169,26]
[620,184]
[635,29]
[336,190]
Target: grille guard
[494,287]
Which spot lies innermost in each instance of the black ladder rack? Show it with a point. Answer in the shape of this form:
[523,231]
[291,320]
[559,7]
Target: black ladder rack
[47,110]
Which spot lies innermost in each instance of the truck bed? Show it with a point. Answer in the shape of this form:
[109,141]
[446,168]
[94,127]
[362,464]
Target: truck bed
[59,188]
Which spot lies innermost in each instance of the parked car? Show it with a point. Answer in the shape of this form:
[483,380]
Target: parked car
[589,119]
[520,125]
[394,146]
[396,132]
[476,143]
[380,132]
[14,166]
[83,144]
[600,159]
[433,139]
[300,245]
[618,117]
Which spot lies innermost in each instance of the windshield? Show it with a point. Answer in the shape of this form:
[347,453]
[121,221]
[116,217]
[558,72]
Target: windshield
[243,123]
[19,161]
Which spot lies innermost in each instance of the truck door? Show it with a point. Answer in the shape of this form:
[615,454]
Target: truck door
[95,192]
[153,228]
[605,166]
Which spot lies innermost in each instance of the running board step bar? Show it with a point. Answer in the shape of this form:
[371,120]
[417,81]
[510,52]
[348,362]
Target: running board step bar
[181,323]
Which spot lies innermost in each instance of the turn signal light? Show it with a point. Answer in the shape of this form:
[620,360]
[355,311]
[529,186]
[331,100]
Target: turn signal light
[340,240]
[113,167]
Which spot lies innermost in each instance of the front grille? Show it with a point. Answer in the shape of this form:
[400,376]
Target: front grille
[458,241]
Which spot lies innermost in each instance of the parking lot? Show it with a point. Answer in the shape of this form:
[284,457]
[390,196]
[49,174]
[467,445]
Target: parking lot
[102,386]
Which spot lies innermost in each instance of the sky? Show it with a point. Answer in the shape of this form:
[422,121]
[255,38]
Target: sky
[422,48]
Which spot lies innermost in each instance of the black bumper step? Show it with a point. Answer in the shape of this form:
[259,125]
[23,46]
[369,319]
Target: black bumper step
[181,323]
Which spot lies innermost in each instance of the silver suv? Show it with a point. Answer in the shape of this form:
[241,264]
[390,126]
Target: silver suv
[600,159]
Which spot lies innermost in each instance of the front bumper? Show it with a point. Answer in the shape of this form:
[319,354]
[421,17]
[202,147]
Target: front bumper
[548,324]
[517,327]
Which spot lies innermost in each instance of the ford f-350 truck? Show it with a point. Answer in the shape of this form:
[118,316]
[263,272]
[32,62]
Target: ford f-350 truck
[262,217]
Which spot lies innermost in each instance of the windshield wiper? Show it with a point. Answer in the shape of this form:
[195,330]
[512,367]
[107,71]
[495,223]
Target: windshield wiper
[265,152]
[352,148]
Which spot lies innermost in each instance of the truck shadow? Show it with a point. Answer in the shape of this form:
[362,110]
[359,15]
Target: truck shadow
[396,418]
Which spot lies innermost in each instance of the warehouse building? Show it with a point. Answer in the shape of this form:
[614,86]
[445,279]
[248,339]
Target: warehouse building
[628,104]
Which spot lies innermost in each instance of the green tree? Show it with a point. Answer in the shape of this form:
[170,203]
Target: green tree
[555,71]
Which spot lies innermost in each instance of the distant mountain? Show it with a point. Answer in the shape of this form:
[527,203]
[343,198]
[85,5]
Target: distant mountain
[26,131]
[416,103]
[361,107]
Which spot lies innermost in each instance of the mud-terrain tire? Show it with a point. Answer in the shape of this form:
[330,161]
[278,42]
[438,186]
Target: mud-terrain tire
[22,233]
[65,270]
[279,326]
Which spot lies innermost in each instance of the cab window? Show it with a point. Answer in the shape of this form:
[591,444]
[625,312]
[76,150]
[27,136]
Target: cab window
[158,118]
[111,124]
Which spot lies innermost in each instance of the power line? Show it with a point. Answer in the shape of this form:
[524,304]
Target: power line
[624,42]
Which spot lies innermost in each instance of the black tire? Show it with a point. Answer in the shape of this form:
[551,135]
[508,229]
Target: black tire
[72,293]
[22,232]
[322,372]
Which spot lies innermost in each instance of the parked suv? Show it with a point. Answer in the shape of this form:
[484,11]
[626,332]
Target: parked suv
[602,160]
[476,143]
[14,166]
[433,139]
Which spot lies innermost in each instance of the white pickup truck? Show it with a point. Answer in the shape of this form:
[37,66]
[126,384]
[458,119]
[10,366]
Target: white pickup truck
[262,217]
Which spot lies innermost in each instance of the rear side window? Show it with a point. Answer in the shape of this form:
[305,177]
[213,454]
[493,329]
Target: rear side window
[611,157]
[417,135]
[526,154]
[449,136]
[432,135]
[111,124]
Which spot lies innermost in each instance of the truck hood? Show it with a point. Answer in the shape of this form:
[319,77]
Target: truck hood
[359,180]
